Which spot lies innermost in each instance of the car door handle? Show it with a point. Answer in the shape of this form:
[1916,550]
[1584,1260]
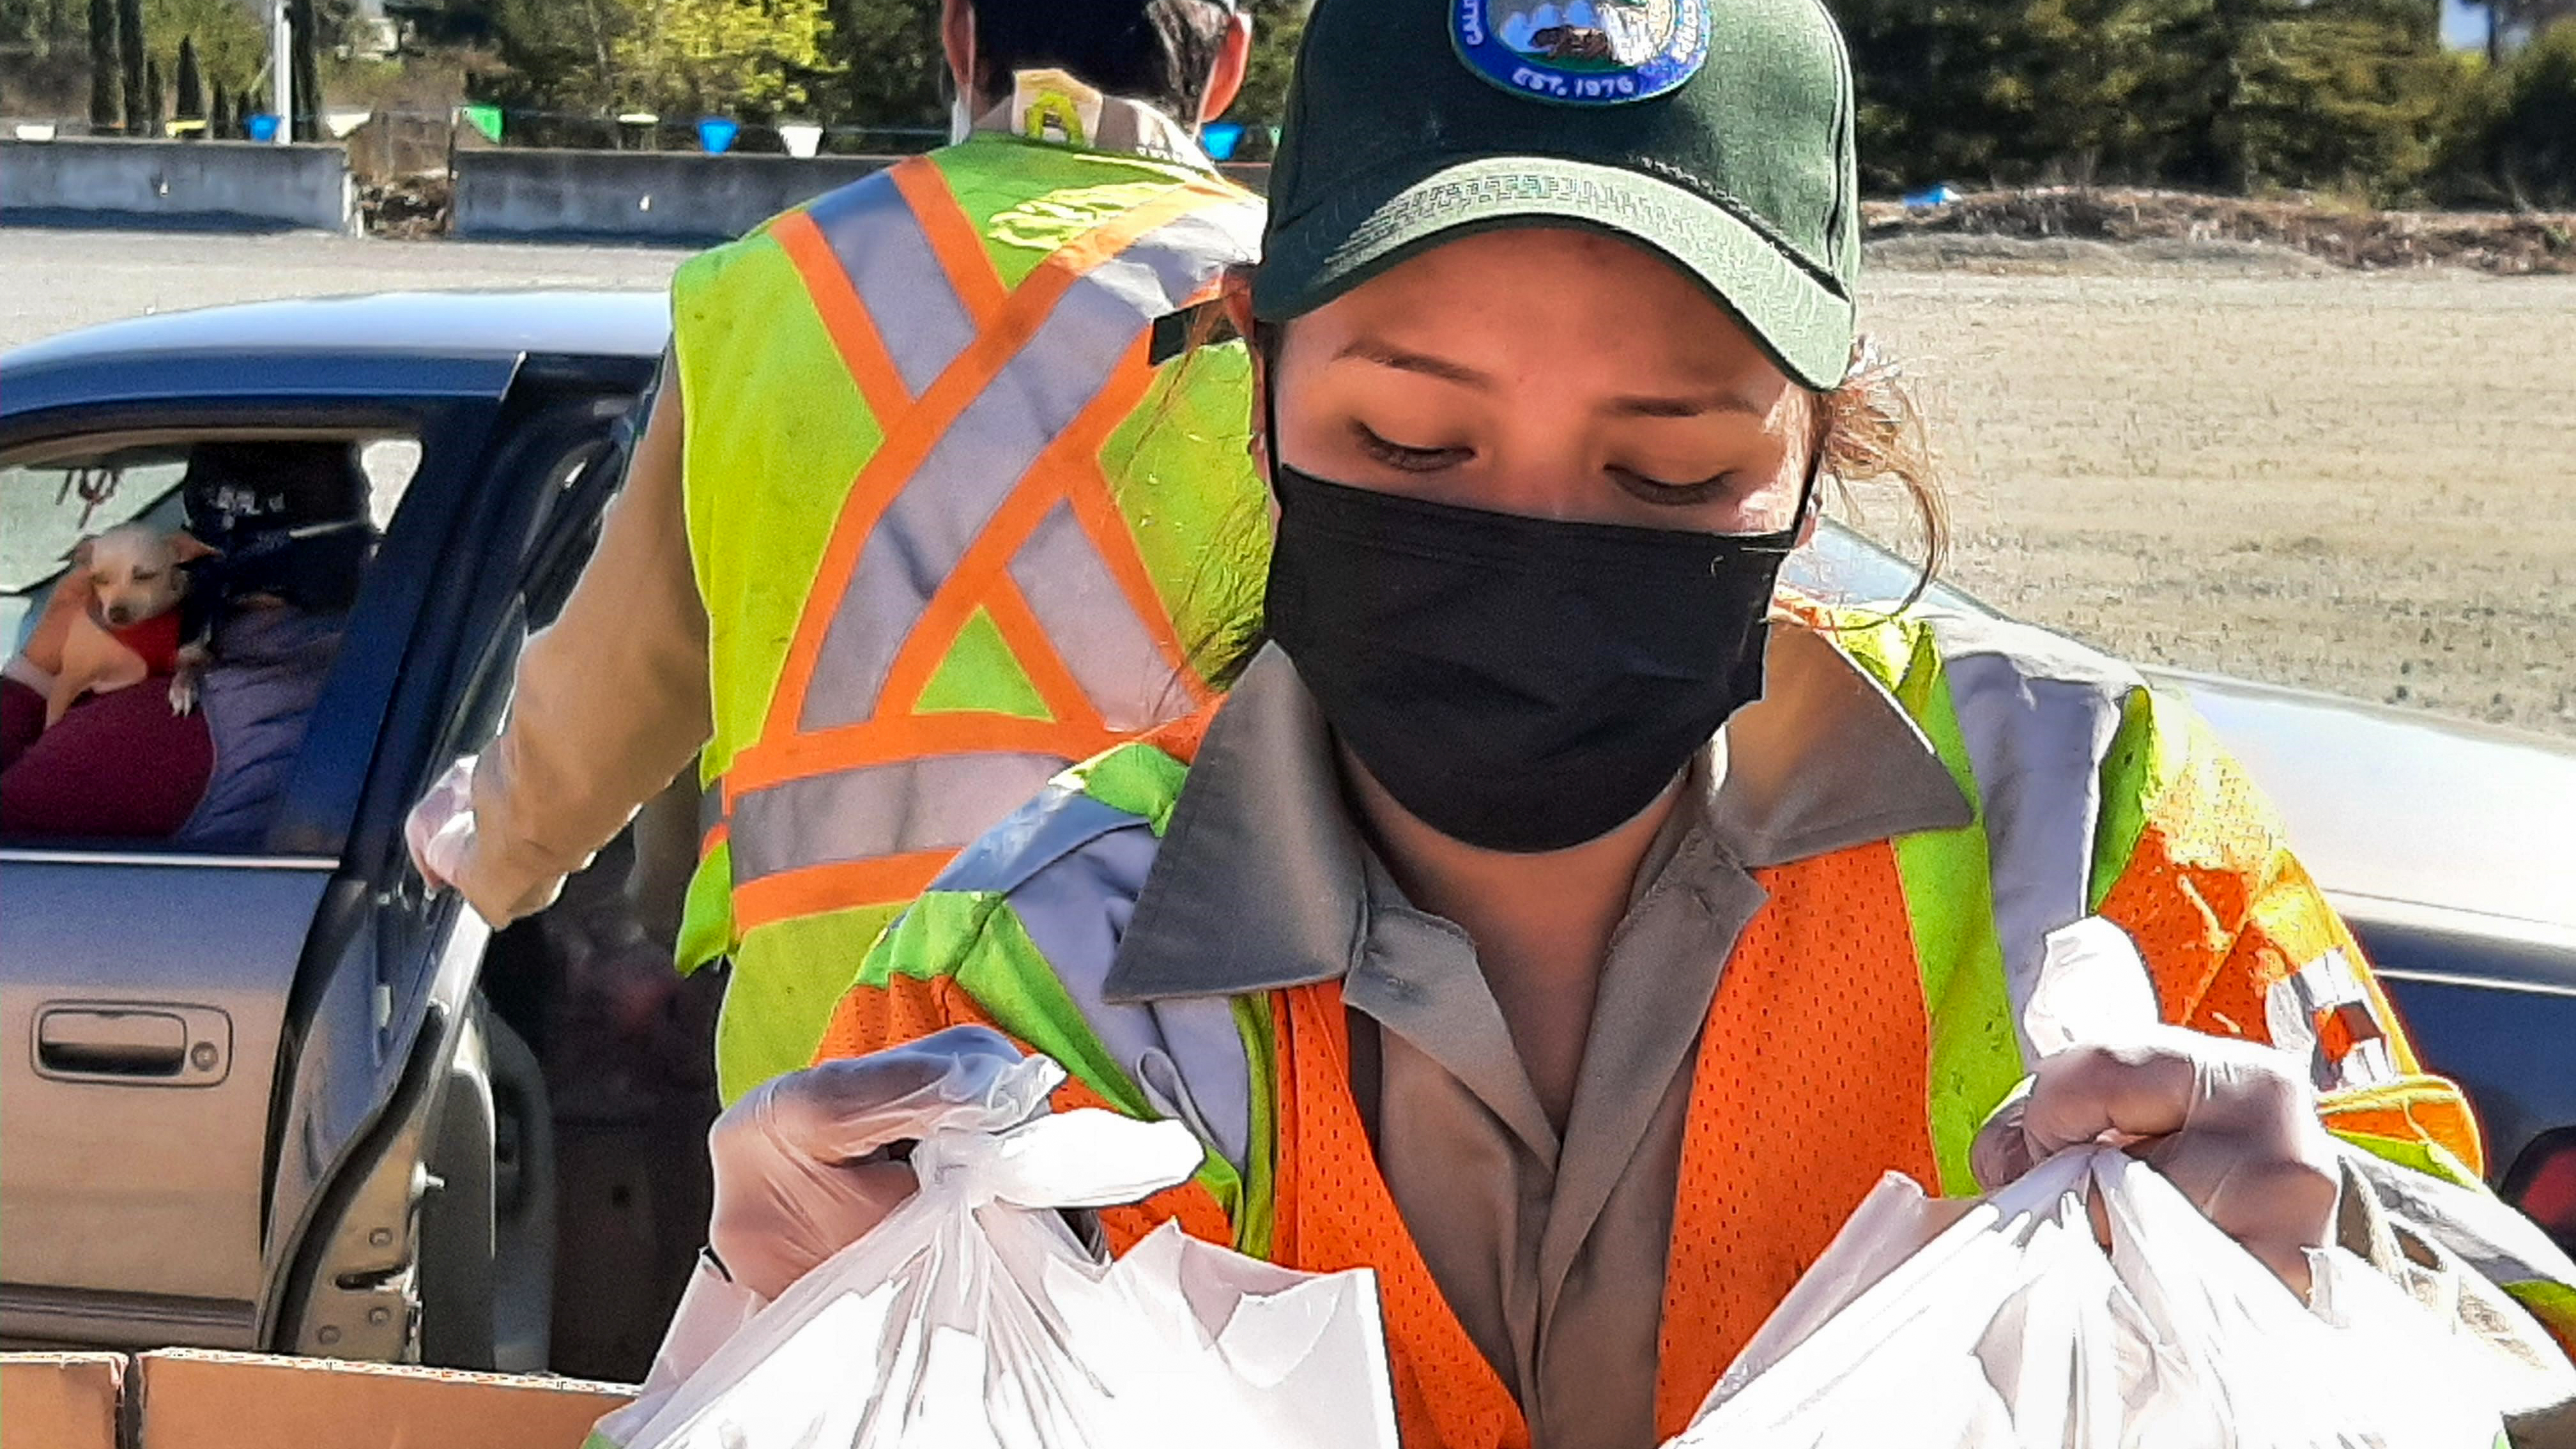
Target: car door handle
[166,1045]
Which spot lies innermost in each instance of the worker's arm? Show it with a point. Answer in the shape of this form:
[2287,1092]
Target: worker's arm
[2242,943]
[611,700]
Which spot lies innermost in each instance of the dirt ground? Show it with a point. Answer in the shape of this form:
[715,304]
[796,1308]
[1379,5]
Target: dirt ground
[2216,456]
[2361,483]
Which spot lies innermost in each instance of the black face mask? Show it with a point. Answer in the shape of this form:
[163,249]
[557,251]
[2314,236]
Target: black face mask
[1518,683]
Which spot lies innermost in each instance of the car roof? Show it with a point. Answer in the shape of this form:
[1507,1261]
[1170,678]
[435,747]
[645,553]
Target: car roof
[2401,805]
[417,324]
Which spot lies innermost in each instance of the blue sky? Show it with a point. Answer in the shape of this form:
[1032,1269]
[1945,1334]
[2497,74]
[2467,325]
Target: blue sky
[2464,26]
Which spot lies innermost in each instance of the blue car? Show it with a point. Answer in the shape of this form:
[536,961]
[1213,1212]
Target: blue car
[268,1093]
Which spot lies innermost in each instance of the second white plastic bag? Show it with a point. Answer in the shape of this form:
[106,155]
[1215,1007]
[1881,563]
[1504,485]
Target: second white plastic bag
[972,1317]
[2003,1324]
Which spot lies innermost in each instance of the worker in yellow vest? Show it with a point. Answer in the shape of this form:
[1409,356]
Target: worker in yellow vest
[927,509]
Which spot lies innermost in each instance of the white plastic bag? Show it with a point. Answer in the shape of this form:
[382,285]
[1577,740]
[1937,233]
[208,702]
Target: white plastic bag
[971,1316]
[2005,1323]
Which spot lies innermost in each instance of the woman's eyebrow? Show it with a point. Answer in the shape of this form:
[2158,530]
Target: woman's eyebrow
[1370,349]
[1697,405]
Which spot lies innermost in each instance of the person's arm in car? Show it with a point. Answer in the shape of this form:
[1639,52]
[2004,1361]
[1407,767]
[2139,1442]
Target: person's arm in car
[611,701]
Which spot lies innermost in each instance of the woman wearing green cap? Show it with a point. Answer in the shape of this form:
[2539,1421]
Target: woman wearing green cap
[1559,916]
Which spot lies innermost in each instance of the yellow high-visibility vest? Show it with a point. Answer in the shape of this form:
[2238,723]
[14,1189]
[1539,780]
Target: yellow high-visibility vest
[963,509]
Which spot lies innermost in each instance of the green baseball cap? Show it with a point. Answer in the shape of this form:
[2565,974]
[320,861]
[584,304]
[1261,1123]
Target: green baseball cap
[1718,132]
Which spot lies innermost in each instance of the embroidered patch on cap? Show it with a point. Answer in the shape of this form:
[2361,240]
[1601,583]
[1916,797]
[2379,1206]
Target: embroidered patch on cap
[1582,52]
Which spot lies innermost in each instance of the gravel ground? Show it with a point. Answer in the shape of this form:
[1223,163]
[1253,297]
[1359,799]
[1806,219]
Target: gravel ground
[2236,461]
[2359,483]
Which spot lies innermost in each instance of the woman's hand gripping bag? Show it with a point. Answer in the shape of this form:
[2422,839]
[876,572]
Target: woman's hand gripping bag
[973,1317]
[2004,1322]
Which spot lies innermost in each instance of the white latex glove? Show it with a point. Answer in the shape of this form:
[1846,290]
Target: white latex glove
[440,829]
[2231,1123]
[801,1168]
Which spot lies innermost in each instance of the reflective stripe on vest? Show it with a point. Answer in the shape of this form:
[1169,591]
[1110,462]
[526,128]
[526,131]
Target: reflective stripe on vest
[983,507]
[2027,724]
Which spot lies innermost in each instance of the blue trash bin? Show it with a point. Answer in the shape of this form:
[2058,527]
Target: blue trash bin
[717,134]
[262,126]
[1221,139]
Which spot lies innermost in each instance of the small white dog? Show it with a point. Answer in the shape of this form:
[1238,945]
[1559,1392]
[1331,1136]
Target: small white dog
[130,629]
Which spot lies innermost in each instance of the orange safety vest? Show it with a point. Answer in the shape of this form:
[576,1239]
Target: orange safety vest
[1802,1098]
[1820,1066]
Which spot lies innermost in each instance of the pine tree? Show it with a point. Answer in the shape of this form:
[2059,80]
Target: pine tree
[191,82]
[219,115]
[2335,93]
[306,48]
[130,55]
[106,95]
[1277,25]
[153,96]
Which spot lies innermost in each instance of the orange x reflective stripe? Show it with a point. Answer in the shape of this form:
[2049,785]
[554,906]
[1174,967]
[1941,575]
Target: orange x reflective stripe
[845,813]
[910,428]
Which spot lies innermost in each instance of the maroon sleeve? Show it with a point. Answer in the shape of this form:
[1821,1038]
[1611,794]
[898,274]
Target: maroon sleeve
[117,765]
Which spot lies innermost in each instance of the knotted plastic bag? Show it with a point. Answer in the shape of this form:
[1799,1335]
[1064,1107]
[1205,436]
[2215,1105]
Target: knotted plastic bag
[2004,1322]
[973,1317]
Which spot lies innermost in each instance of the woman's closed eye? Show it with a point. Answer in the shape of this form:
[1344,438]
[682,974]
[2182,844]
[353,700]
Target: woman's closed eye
[1675,495]
[1405,457]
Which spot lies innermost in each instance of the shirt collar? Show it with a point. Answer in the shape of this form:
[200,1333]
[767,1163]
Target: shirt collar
[1109,123]
[1263,878]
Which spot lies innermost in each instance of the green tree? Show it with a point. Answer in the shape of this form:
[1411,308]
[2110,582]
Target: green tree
[2535,141]
[717,57]
[2512,24]
[106,93]
[2218,93]
[130,56]
[889,64]
[2337,93]
[37,28]
[2510,135]
[674,57]
[230,43]
[1945,89]
[1277,27]
[191,82]
[304,48]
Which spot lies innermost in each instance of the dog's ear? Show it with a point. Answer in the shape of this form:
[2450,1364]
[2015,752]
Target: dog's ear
[81,552]
[187,548]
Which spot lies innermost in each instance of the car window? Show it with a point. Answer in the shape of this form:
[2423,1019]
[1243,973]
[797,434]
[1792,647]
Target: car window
[389,464]
[164,697]
[45,508]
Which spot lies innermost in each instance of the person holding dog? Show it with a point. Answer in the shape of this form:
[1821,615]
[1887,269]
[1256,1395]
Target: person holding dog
[923,514]
[228,626]
[1559,916]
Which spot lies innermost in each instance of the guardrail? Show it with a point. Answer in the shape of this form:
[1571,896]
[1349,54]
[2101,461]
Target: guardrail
[670,196]
[225,184]
[501,192]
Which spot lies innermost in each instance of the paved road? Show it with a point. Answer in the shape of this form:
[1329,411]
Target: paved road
[53,280]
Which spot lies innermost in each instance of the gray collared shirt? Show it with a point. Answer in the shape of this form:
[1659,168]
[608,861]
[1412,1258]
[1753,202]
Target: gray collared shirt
[1550,1248]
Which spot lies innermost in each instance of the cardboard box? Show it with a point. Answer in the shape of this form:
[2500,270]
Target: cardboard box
[191,1399]
[60,1400]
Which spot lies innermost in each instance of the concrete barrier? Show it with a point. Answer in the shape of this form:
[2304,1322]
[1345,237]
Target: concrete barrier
[218,184]
[652,195]
[636,195]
